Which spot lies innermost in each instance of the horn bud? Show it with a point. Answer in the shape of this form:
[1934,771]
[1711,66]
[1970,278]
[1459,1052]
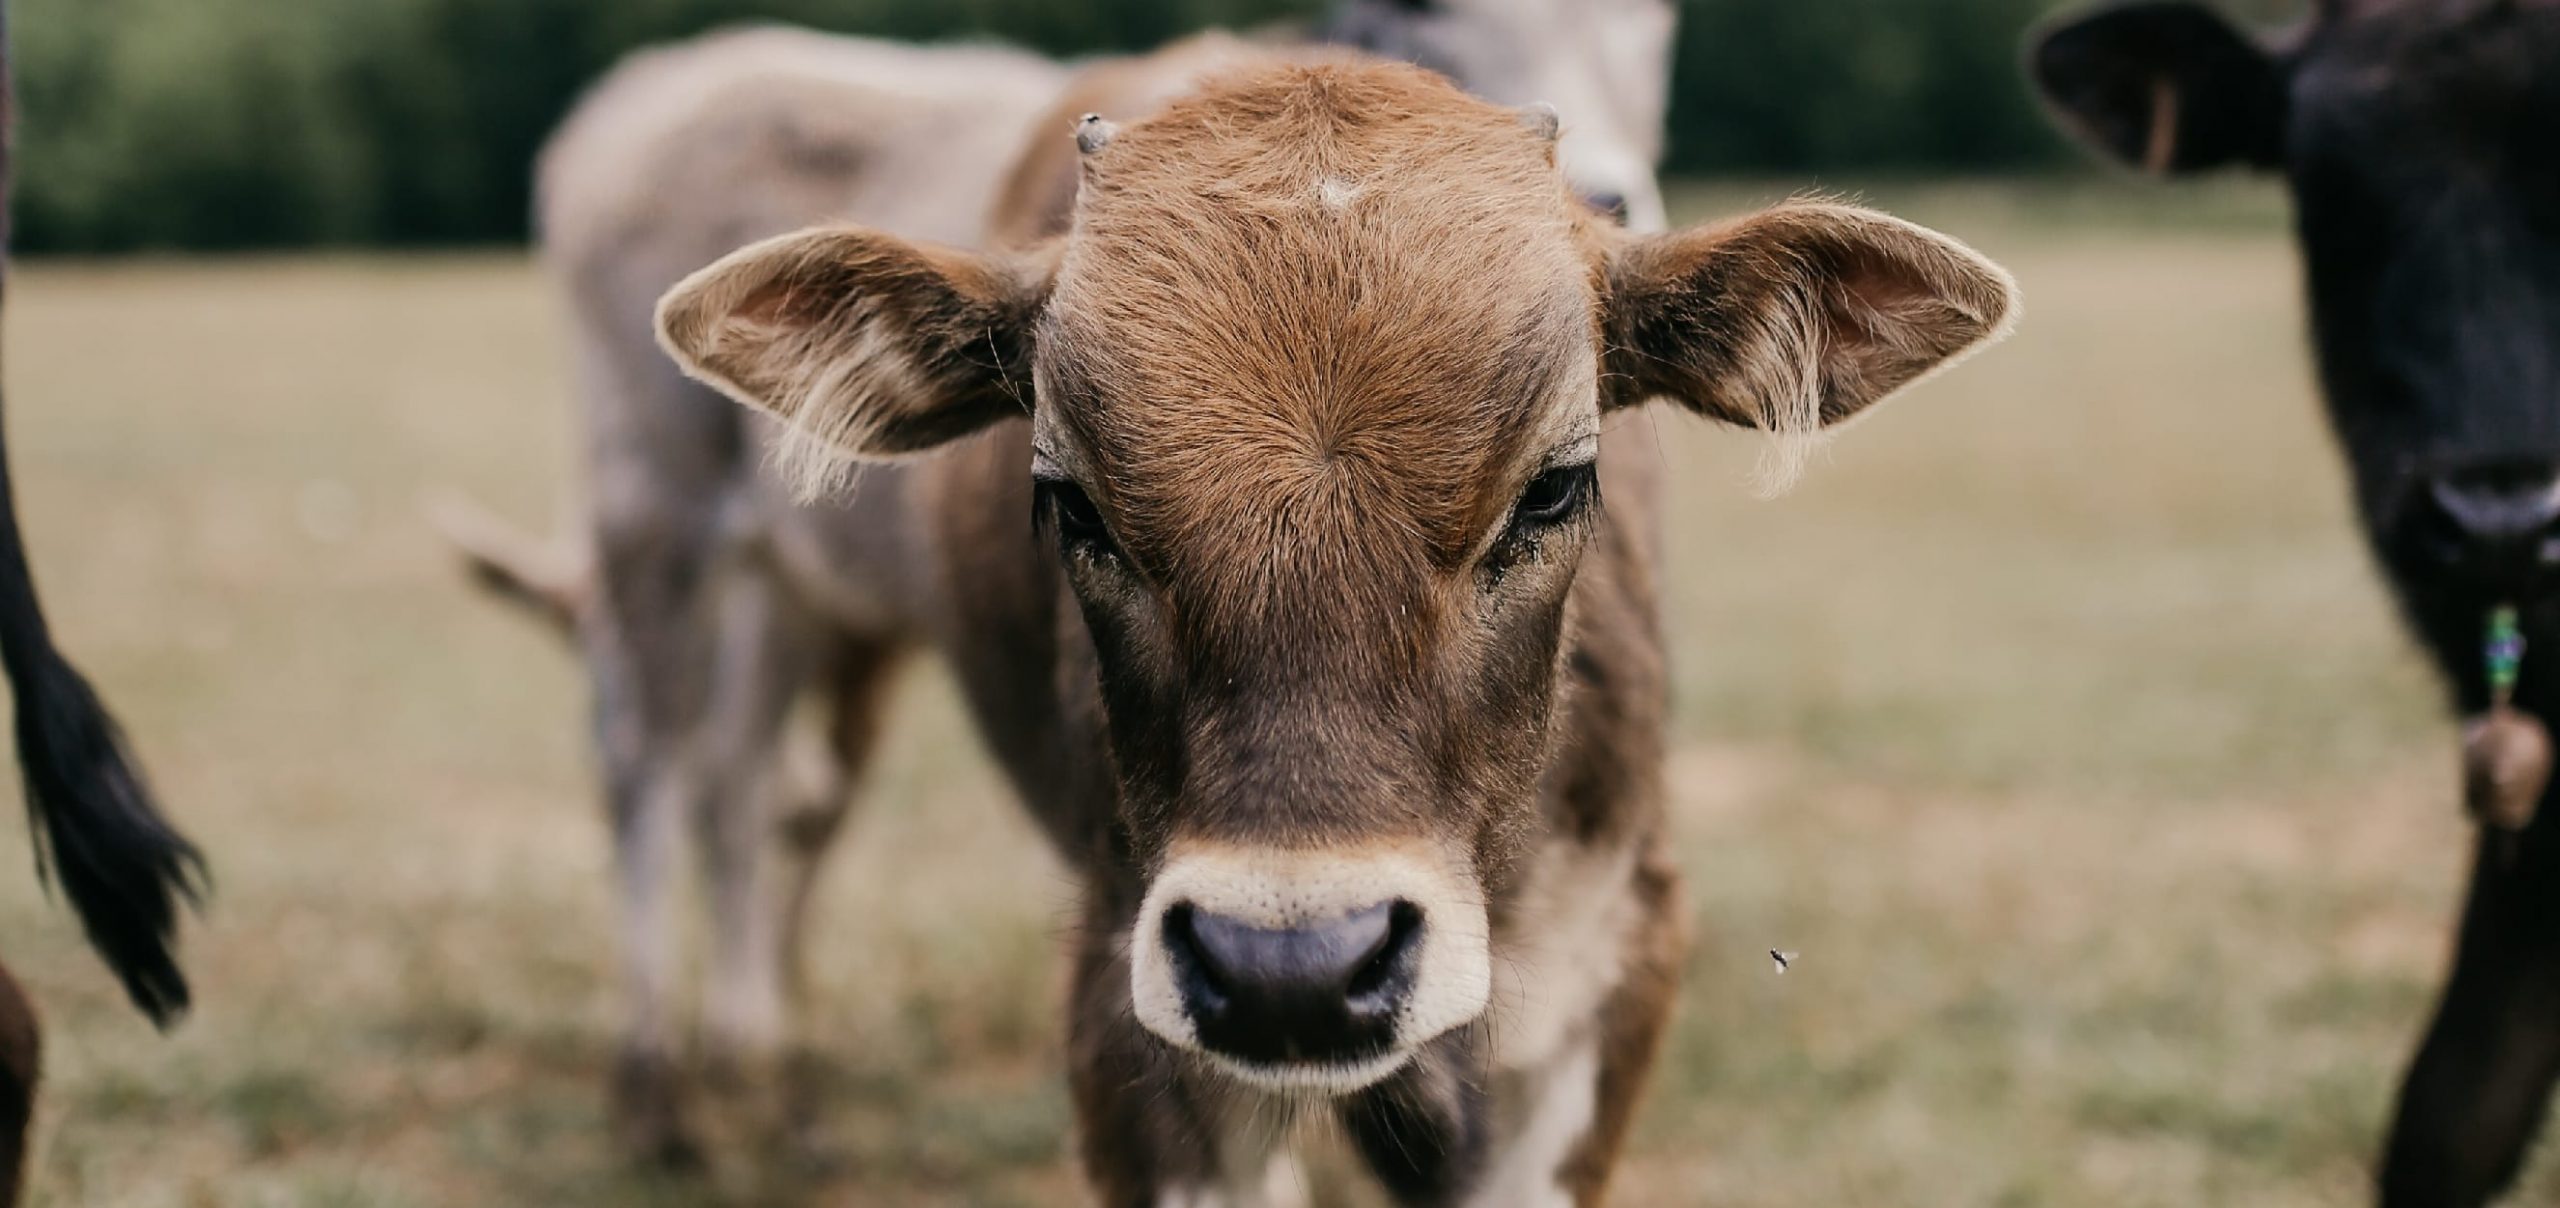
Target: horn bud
[1542,120]
[1093,133]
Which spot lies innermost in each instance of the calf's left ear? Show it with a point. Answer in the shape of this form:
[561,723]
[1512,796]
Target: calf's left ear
[1795,318]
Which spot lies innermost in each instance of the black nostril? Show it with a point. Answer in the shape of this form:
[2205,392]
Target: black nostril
[1323,991]
[1195,969]
[1383,980]
[1613,205]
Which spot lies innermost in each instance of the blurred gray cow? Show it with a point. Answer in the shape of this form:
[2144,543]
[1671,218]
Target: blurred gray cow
[693,581]
[1604,64]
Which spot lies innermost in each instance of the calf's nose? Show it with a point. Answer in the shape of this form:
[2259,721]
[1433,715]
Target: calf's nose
[1322,992]
[2497,522]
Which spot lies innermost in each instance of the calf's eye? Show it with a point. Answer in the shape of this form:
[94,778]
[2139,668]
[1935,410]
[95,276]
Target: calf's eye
[1071,511]
[1554,497]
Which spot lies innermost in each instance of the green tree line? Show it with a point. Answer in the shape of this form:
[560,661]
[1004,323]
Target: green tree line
[211,124]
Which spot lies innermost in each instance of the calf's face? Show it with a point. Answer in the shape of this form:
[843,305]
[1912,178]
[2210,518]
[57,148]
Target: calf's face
[1316,383]
[2421,139]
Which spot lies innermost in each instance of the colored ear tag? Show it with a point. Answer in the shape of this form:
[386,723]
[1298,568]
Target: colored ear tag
[2506,752]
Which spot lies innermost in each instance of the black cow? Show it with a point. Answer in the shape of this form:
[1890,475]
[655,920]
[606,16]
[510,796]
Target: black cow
[2421,139]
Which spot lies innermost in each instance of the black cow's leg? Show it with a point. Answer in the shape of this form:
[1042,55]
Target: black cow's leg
[20,1060]
[2476,1095]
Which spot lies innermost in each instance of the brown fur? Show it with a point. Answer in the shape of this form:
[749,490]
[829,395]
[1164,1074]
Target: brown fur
[1311,328]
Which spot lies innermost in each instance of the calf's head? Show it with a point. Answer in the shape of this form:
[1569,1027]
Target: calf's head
[2421,139]
[1316,384]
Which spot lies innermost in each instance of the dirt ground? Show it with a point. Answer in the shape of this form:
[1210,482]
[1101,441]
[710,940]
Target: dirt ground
[2055,719]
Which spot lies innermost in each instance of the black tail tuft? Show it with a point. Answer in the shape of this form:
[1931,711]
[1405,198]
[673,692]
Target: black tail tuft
[123,868]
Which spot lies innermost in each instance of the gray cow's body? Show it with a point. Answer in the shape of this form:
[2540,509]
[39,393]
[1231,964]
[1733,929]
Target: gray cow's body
[706,601]
[713,603]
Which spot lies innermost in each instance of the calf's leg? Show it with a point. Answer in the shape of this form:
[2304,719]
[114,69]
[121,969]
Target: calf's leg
[2477,1093]
[824,774]
[1556,1128]
[862,675]
[1630,1028]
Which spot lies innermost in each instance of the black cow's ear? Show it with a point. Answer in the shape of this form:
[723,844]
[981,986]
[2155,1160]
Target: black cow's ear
[2163,85]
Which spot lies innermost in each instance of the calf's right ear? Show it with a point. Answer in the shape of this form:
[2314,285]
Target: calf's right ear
[2163,85]
[869,347]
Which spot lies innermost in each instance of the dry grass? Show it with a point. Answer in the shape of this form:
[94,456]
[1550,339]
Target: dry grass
[2054,719]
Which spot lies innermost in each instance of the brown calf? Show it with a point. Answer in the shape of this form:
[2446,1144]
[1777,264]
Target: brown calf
[1334,666]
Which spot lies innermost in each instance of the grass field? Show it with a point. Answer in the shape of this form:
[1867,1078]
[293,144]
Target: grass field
[2055,719]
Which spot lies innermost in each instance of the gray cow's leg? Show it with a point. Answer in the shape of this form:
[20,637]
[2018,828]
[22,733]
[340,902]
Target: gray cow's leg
[2478,1091]
[764,657]
[664,459]
[648,665]
[648,810]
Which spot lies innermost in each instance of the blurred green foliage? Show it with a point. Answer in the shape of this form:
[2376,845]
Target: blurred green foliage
[267,123]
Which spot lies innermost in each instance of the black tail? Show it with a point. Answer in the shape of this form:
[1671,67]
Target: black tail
[123,868]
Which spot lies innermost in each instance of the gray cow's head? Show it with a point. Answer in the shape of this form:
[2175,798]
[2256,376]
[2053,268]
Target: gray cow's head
[1604,64]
